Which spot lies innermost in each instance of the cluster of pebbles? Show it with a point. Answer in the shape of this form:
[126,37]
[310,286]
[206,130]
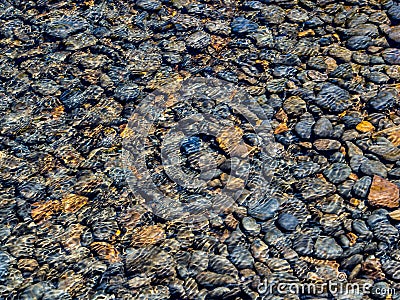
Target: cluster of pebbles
[73,72]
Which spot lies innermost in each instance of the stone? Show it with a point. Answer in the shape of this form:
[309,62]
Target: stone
[287,222]
[242,25]
[373,167]
[337,172]
[265,211]
[383,193]
[391,56]
[326,145]
[323,128]
[327,248]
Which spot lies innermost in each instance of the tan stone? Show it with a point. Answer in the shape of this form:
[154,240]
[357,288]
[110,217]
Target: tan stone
[148,235]
[282,127]
[326,145]
[72,203]
[395,215]
[365,126]
[383,193]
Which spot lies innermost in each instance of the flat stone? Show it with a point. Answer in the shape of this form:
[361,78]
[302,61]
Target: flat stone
[327,248]
[391,56]
[383,193]
[287,222]
[337,172]
[323,128]
[373,167]
[266,210]
[326,145]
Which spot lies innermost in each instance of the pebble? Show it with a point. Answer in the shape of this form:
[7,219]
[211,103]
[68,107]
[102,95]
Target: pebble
[391,56]
[198,40]
[383,193]
[212,280]
[305,169]
[326,145]
[303,244]
[327,248]
[149,4]
[294,105]
[287,222]
[337,172]
[313,188]
[242,25]
[323,128]
[395,173]
[250,225]
[266,210]
[304,127]
[394,12]
[222,265]
[341,53]
[65,26]
[373,167]
[333,98]
[241,257]
[361,187]
[358,42]
[383,100]
[377,288]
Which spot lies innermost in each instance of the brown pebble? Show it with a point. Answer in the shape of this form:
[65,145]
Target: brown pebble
[395,215]
[383,193]
[73,203]
[365,126]
[147,235]
[326,145]
[27,264]
[282,127]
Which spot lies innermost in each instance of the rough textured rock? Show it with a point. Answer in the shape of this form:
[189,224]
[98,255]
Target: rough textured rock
[383,193]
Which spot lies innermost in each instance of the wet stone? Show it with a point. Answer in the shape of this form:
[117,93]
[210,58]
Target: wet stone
[341,53]
[305,169]
[356,161]
[313,188]
[344,189]
[394,34]
[149,4]
[287,222]
[337,172]
[241,257]
[383,193]
[250,225]
[294,106]
[391,56]
[385,99]
[327,248]
[65,26]
[394,12]
[304,128]
[361,187]
[333,98]
[358,42]
[198,40]
[212,280]
[373,167]
[265,210]
[326,145]
[242,25]
[297,15]
[273,14]
[395,173]
[323,128]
